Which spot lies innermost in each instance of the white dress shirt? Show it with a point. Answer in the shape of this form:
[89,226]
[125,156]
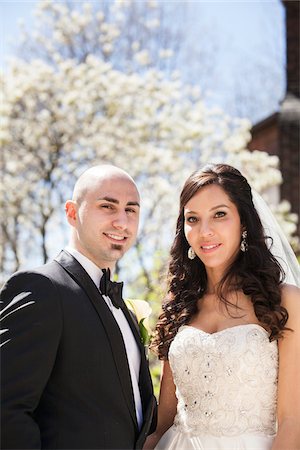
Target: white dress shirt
[132,350]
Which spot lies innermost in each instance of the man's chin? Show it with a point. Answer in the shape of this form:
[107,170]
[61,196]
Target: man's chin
[117,247]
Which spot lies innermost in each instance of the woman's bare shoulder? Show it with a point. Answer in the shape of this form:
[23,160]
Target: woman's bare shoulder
[289,293]
[290,299]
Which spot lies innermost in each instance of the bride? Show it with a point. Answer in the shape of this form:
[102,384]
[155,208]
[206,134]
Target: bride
[229,332]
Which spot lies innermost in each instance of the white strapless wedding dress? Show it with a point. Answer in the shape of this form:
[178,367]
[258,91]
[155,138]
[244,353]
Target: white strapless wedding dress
[226,385]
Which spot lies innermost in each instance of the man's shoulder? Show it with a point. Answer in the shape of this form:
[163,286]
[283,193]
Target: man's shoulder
[44,274]
[30,296]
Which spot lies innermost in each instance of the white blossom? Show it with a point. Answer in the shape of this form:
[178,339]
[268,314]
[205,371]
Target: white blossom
[143,57]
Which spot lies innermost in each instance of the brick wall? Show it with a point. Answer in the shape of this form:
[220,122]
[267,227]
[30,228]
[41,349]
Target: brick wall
[265,135]
[292,12]
[289,116]
[279,134]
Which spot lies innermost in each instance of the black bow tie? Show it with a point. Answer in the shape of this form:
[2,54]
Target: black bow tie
[111,288]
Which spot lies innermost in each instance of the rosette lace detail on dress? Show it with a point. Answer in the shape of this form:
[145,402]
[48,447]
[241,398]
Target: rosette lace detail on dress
[226,382]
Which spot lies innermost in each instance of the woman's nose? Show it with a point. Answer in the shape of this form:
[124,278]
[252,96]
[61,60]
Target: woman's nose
[205,229]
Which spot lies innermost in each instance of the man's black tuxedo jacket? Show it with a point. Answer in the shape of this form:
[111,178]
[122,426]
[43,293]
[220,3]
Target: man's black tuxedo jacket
[65,376]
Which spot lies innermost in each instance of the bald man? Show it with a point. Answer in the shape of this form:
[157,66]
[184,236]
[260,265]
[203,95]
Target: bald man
[74,372]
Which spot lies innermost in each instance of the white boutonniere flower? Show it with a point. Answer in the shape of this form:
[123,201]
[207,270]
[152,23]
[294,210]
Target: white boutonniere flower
[142,311]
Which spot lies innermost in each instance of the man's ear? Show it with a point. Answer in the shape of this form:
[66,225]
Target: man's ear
[71,211]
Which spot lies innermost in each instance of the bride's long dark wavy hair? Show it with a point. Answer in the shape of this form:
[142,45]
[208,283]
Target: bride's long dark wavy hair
[255,272]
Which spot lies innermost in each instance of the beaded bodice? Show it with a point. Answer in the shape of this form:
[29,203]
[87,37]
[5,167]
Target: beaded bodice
[226,382]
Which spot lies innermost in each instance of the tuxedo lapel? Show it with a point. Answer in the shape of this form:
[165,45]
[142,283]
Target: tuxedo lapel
[145,384]
[77,272]
[134,327]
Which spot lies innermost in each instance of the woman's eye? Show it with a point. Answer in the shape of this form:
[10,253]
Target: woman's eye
[191,219]
[220,214]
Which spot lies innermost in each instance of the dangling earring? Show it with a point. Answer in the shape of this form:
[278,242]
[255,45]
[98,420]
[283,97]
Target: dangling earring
[191,253]
[244,244]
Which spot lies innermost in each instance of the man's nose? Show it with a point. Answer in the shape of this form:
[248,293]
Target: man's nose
[120,221]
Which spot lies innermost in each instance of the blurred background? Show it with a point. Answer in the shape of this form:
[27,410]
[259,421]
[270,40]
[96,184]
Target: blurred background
[157,88]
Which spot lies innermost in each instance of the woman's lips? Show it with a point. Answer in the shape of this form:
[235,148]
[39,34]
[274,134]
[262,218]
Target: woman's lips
[209,248]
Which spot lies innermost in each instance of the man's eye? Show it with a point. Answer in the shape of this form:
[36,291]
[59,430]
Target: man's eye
[106,206]
[131,210]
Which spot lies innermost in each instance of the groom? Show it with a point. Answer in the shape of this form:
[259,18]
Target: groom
[74,372]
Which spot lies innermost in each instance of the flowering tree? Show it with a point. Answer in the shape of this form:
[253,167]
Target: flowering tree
[65,114]
[133,35]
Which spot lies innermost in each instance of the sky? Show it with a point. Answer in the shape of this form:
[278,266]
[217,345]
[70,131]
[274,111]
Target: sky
[250,43]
